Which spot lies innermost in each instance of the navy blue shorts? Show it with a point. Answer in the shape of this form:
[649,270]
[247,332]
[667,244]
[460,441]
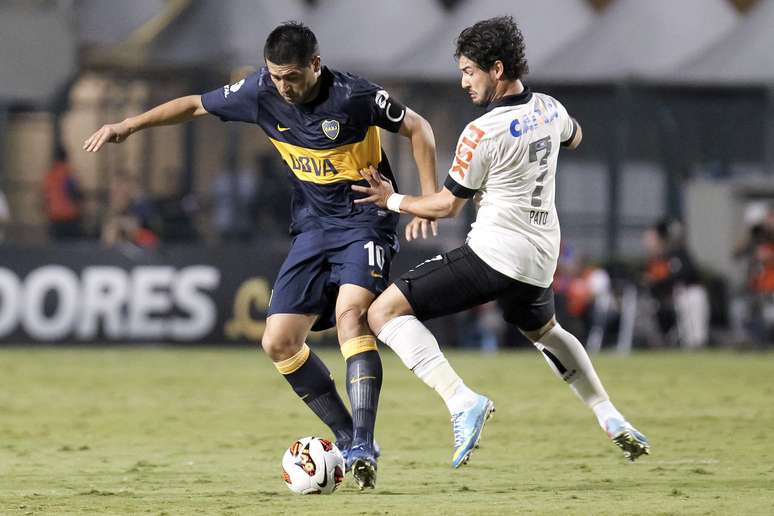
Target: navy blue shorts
[320,261]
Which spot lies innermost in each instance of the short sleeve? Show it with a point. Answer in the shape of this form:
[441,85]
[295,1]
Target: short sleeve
[382,109]
[471,163]
[237,102]
[567,127]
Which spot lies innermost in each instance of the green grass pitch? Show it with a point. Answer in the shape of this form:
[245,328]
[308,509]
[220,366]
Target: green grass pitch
[171,431]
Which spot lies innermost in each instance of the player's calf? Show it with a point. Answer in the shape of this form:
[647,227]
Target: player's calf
[364,365]
[570,362]
[307,375]
[364,382]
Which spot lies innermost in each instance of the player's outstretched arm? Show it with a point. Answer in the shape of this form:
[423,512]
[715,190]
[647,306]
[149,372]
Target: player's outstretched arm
[439,205]
[175,111]
[419,131]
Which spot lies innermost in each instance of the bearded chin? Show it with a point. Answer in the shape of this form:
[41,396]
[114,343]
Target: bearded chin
[486,96]
[481,103]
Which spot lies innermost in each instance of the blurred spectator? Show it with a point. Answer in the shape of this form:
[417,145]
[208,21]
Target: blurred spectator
[5,215]
[63,198]
[753,310]
[131,215]
[273,195]
[682,305]
[176,215]
[584,297]
[234,204]
[482,327]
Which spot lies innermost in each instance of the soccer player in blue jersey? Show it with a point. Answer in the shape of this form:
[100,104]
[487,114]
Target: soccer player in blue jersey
[325,124]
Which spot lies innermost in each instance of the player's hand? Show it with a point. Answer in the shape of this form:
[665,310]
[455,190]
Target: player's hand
[378,189]
[419,226]
[109,133]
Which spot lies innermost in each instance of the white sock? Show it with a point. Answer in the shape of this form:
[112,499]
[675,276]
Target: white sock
[419,351]
[604,411]
[569,360]
[457,396]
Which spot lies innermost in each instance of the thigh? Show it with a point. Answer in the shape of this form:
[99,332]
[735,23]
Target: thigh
[363,263]
[353,297]
[300,287]
[449,283]
[528,307]
[390,304]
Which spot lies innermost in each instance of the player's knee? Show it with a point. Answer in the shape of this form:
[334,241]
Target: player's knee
[376,316]
[352,318]
[536,335]
[390,304]
[380,312]
[279,347]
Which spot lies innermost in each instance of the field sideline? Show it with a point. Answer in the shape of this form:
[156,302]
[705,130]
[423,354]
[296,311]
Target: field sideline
[171,431]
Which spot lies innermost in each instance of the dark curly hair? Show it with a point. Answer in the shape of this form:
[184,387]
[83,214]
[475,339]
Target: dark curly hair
[495,39]
[291,42]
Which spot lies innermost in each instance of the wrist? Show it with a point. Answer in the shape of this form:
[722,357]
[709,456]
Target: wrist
[393,202]
[130,125]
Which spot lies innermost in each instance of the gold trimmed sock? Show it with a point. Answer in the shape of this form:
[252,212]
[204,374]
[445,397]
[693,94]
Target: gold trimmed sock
[364,381]
[357,345]
[313,383]
[294,363]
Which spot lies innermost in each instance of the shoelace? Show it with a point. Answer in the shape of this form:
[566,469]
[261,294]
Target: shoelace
[457,421]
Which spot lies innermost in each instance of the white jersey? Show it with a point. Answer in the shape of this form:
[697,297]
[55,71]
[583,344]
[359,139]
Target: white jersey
[507,159]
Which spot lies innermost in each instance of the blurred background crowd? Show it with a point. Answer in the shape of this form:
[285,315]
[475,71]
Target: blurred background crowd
[667,209]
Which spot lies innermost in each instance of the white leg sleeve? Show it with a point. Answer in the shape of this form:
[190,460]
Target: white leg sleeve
[419,351]
[567,358]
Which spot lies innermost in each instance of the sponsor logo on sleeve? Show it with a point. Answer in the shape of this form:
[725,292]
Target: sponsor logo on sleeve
[381,100]
[233,88]
[465,148]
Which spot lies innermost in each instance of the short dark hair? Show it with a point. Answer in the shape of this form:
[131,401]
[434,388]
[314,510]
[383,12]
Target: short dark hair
[495,39]
[291,43]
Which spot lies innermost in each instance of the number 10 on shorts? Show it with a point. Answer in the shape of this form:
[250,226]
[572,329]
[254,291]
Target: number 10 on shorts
[375,255]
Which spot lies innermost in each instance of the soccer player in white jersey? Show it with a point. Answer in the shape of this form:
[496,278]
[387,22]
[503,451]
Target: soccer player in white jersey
[507,160]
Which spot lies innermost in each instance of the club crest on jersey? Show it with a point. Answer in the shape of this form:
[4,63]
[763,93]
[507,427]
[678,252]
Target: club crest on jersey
[330,129]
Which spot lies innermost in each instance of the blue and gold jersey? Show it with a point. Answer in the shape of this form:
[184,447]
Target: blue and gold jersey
[324,143]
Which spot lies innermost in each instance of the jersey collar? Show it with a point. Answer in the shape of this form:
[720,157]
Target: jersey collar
[326,81]
[512,100]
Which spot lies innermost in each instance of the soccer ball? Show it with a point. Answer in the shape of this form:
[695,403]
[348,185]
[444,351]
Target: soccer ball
[313,465]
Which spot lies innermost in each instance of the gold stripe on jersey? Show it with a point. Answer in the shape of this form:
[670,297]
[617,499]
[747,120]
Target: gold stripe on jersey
[323,166]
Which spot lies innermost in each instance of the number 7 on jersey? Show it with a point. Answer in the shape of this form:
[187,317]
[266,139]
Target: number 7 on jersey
[542,147]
